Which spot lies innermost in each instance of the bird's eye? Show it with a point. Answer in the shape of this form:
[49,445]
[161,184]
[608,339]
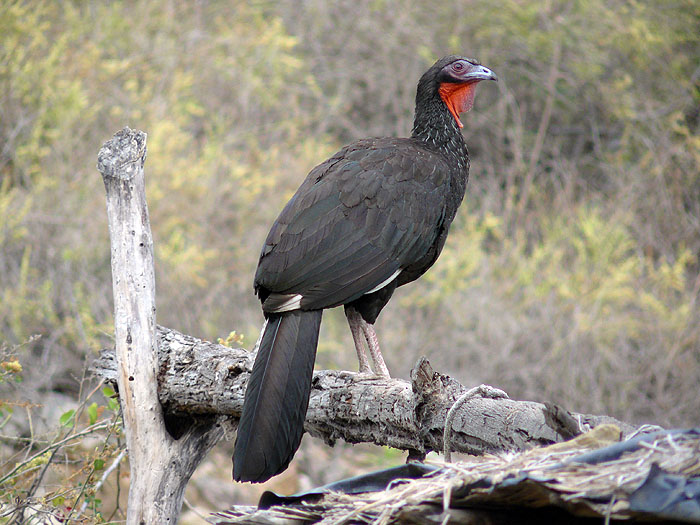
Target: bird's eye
[458,67]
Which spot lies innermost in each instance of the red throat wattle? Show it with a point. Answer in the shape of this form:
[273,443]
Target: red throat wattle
[458,98]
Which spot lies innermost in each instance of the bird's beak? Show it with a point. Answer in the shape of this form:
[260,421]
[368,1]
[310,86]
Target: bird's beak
[478,73]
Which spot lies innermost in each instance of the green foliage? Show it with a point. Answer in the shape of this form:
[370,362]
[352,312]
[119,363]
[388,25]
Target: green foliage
[581,297]
[66,419]
[233,338]
[70,449]
[111,397]
[570,273]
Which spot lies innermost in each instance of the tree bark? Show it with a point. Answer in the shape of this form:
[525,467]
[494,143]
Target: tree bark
[199,378]
[160,464]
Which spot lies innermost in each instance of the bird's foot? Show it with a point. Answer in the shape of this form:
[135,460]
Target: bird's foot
[381,372]
[354,376]
[364,368]
[367,375]
[363,375]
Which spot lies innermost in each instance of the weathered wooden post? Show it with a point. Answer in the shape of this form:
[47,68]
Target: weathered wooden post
[160,464]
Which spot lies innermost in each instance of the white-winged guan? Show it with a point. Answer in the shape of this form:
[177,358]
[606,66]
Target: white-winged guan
[372,217]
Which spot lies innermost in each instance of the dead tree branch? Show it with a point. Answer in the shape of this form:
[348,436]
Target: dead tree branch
[201,378]
[160,464]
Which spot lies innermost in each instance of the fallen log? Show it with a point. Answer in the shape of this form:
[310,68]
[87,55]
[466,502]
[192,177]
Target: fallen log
[198,378]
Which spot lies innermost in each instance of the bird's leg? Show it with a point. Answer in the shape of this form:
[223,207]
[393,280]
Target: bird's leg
[355,321]
[373,343]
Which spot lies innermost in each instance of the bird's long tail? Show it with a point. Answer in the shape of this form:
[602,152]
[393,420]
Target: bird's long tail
[277,396]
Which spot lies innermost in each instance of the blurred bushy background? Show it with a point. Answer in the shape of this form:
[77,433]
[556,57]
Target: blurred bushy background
[571,273]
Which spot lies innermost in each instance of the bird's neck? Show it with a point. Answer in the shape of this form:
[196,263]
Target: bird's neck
[436,127]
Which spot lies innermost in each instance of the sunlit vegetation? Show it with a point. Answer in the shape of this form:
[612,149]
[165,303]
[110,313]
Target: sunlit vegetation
[571,273]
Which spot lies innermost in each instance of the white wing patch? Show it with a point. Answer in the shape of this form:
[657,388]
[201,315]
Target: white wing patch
[287,303]
[384,283]
[291,302]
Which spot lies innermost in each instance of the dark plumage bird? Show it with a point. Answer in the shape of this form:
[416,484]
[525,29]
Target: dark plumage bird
[372,217]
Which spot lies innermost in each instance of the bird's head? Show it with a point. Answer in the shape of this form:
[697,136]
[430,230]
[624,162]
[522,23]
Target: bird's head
[453,79]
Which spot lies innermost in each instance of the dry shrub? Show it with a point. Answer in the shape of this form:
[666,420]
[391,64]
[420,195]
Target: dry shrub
[571,273]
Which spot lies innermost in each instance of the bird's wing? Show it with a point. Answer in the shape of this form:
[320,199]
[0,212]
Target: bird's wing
[355,222]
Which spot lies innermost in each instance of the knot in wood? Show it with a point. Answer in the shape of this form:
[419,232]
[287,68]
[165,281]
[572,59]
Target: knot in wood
[123,155]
